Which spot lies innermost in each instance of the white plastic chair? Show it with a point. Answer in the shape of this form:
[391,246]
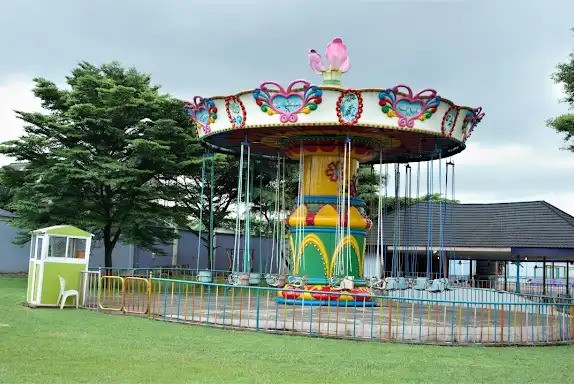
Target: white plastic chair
[64,294]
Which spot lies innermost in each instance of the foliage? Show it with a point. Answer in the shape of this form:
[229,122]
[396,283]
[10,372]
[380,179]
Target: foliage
[6,196]
[390,202]
[564,124]
[211,191]
[100,156]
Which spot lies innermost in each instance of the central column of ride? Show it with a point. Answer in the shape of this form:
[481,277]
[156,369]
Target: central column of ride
[327,230]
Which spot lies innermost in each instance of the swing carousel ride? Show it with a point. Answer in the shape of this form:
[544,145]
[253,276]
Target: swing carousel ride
[329,130]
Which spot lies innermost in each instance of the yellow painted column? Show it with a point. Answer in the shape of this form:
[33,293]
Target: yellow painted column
[315,244]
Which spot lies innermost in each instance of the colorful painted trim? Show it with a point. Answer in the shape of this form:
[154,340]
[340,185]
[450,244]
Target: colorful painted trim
[325,293]
[235,112]
[449,121]
[410,107]
[288,103]
[470,121]
[349,107]
[334,170]
[325,303]
[357,232]
[355,201]
[202,112]
[363,147]
[325,281]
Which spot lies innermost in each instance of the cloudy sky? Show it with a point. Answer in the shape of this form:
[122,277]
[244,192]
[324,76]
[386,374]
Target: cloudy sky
[494,53]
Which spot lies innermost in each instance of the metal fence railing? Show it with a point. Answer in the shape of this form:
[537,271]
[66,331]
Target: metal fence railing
[530,286]
[461,315]
[89,283]
[410,320]
[190,274]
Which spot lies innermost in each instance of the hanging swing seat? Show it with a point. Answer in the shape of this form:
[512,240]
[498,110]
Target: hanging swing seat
[238,279]
[297,281]
[377,284]
[345,283]
[204,276]
[396,283]
[421,283]
[372,281]
[276,280]
[254,278]
[439,285]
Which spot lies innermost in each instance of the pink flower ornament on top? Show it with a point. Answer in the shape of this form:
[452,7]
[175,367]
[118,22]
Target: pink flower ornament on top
[337,58]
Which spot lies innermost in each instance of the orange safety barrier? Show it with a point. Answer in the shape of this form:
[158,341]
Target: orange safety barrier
[110,293]
[127,294]
[136,295]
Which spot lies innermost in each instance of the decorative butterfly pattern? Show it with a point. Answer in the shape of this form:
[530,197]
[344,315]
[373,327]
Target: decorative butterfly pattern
[202,111]
[287,102]
[410,107]
[470,121]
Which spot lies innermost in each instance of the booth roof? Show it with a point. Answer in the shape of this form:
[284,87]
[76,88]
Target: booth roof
[63,230]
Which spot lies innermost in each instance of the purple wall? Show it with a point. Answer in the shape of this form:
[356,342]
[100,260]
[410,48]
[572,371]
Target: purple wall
[187,251]
[188,248]
[260,252]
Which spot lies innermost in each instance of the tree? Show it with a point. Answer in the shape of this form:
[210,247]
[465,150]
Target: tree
[101,156]
[210,190]
[565,123]
[6,196]
[389,202]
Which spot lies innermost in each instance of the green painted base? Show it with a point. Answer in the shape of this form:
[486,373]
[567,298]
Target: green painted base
[318,255]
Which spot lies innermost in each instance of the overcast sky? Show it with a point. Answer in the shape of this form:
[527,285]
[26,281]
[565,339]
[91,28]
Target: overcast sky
[496,54]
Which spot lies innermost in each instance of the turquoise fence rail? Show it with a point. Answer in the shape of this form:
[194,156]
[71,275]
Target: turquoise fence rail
[164,272]
[515,321]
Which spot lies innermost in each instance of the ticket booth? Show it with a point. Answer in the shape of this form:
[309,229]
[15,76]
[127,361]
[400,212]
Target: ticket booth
[57,256]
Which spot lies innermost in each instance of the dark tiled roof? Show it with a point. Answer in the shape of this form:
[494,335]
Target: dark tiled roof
[533,224]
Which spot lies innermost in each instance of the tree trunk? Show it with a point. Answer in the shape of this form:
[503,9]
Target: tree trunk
[108,250]
[109,245]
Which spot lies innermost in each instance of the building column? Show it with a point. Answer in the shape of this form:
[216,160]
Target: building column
[505,276]
[568,279]
[132,262]
[517,273]
[544,275]
[175,247]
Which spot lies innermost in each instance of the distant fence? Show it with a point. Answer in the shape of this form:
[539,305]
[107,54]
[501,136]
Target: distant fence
[179,273]
[398,316]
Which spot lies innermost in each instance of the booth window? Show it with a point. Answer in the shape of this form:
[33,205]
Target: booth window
[64,247]
[77,249]
[38,248]
[57,246]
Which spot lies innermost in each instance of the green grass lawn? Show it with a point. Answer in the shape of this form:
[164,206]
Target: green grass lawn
[80,346]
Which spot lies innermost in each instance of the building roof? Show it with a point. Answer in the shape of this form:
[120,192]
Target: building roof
[532,224]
